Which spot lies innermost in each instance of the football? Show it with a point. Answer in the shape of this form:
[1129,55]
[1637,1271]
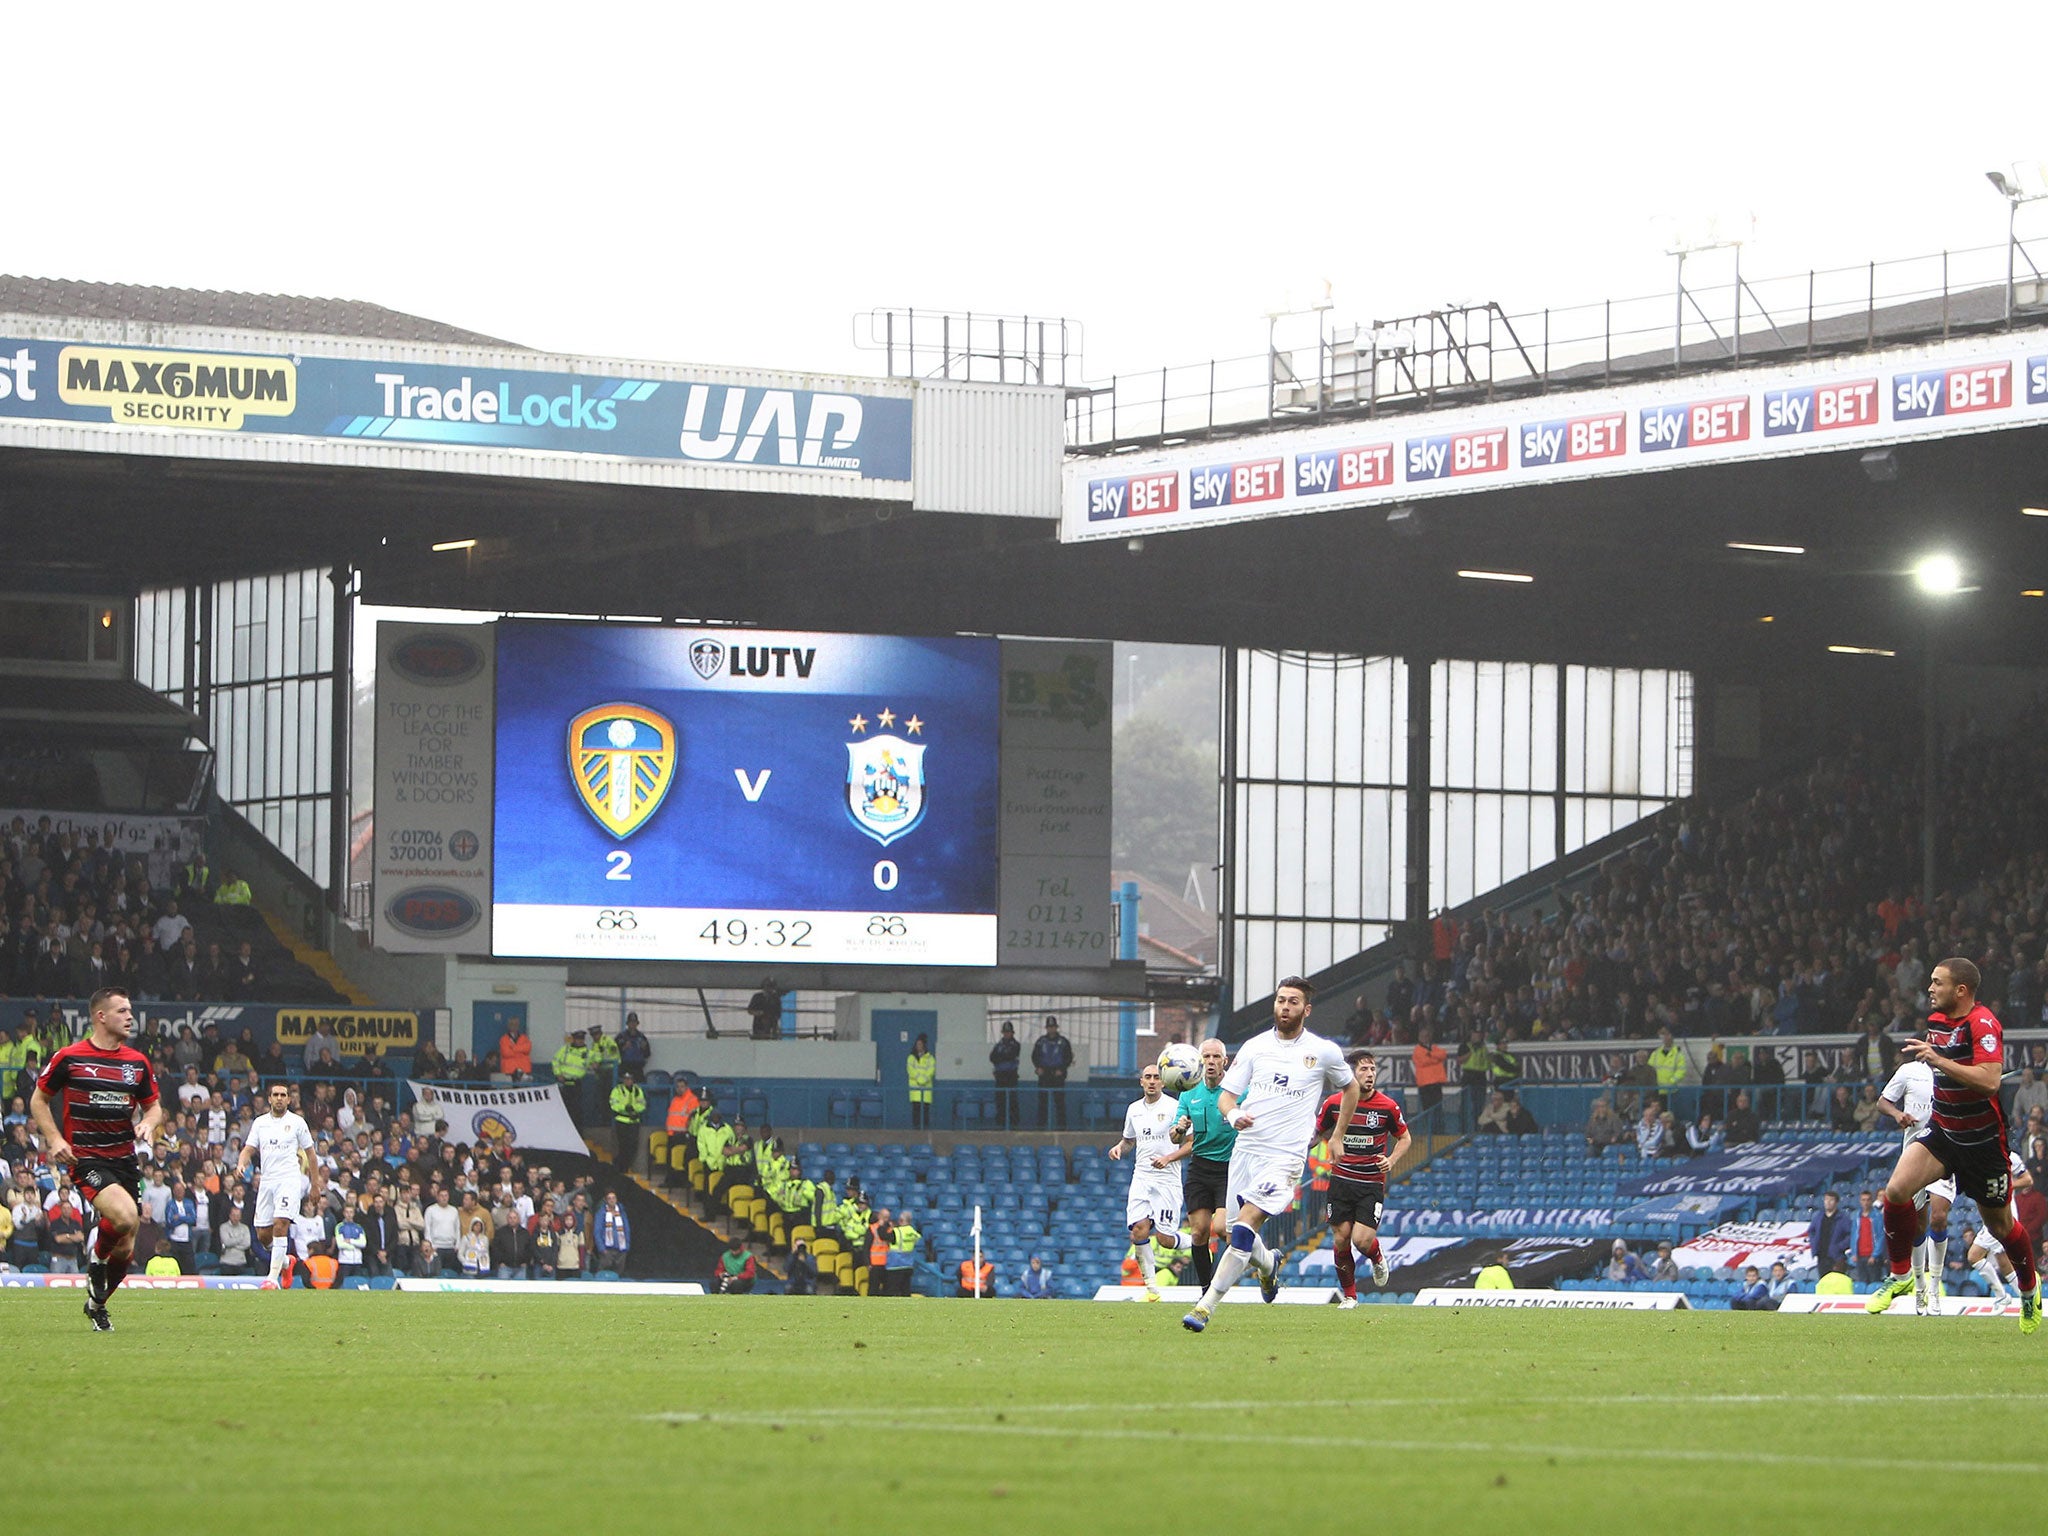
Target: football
[1180,1068]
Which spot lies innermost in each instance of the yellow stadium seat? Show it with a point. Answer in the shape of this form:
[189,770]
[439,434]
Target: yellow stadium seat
[860,1282]
[756,1213]
[778,1230]
[802,1232]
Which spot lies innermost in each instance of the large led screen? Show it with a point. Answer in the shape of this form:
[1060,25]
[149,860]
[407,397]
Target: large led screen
[739,795]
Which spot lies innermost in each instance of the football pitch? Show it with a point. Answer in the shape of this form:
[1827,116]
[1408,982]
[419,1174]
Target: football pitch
[230,1412]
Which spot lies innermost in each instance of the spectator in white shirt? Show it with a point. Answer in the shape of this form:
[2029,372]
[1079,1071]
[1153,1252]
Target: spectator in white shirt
[171,928]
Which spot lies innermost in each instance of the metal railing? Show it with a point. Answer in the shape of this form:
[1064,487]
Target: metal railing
[962,345]
[1468,354]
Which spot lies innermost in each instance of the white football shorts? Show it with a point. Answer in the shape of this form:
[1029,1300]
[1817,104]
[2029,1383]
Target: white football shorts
[277,1199]
[1267,1181]
[1155,1200]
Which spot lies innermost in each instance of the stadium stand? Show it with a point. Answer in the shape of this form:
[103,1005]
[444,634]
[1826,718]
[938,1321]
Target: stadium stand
[371,1164]
[165,926]
[1792,909]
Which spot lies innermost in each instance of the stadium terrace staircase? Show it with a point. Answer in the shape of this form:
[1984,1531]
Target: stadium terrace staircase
[318,961]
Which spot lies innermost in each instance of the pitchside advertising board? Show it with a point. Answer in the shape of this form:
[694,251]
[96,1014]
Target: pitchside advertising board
[590,791]
[1866,400]
[808,428]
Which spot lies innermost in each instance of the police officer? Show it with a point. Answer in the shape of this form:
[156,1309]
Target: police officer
[629,1107]
[571,1064]
[922,1070]
[902,1261]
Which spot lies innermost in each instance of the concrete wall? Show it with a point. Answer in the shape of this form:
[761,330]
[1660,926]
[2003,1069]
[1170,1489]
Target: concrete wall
[849,1060]
[541,987]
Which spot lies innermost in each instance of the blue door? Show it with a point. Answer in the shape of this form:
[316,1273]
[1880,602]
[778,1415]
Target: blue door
[894,1031]
[487,1021]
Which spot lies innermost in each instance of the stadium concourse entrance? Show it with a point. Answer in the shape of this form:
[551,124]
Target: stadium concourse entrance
[238,558]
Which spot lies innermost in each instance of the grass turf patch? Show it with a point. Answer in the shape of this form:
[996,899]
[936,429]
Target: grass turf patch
[233,1411]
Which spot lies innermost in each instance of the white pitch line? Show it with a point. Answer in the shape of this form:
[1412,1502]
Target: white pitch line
[888,1419]
[1253,1405]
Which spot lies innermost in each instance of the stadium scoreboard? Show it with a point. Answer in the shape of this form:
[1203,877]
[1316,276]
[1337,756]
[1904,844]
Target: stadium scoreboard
[589,791]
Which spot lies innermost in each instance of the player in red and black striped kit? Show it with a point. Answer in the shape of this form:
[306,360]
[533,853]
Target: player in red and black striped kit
[1373,1143]
[85,1104]
[1965,1140]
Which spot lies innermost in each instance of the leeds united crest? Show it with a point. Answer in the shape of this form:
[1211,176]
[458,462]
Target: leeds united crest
[623,759]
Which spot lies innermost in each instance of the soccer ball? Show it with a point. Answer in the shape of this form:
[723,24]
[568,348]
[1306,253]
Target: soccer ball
[1180,1068]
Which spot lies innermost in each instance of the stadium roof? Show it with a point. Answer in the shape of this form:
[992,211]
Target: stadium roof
[1633,570]
[282,312]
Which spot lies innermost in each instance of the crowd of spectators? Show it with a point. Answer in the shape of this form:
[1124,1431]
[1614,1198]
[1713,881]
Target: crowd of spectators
[78,914]
[393,1192]
[1794,910]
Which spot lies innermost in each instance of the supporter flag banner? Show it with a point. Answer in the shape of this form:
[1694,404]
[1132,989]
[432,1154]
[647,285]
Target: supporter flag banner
[529,1117]
[1837,1058]
[355,1030]
[1856,401]
[1742,1243]
[798,427]
[1681,1208]
[1501,1221]
[1419,1263]
[176,837]
[434,779]
[1764,1168]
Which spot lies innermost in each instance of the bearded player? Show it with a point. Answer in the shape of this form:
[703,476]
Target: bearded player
[285,1144]
[97,1086]
[1965,1140]
[1269,1096]
[1358,1172]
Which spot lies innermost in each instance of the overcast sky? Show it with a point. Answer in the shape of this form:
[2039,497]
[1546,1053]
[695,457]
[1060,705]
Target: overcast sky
[735,185]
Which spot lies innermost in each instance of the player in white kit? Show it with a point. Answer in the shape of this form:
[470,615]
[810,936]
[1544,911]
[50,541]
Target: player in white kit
[1908,1101]
[285,1146]
[1272,1094]
[1153,1209]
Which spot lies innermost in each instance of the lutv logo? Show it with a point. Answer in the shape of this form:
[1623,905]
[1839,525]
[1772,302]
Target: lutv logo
[710,658]
[788,428]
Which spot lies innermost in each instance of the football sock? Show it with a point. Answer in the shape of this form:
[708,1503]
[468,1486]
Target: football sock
[1937,1253]
[1372,1250]
[2021,1252]
[117,1271]
[1167,1239]
[1229,1270]
[1988,1268]
[1146,1265]
[277,1256]
[1899,1234]
[1347,1270]
[1262,1256]
[1920,1256]
[1205,1265]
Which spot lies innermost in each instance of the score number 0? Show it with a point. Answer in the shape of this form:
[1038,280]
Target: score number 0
[620,867]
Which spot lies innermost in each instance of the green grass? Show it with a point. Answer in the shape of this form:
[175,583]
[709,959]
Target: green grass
[231,1412]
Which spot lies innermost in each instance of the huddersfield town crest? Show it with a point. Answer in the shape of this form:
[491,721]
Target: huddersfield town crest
[623,759]
[885,786]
